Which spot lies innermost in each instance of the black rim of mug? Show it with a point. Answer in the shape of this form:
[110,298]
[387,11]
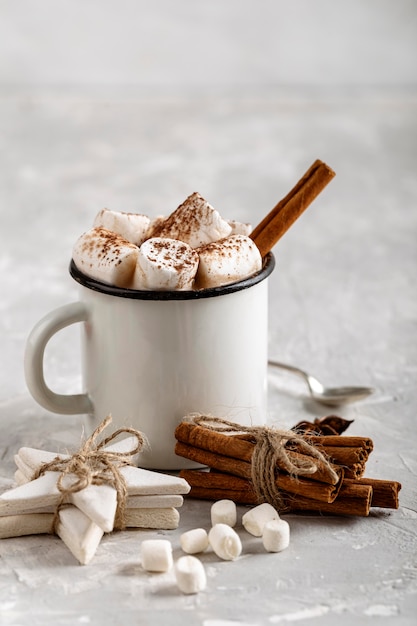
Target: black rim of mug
[136,294]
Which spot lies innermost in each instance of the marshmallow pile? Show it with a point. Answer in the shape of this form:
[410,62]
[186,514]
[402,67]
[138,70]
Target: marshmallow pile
[260,521]
[193,248]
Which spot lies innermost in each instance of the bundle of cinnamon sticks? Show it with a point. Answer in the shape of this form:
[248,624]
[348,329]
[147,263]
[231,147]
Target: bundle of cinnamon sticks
[338,487]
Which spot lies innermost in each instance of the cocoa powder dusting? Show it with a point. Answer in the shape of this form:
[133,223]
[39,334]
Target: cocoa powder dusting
[184,221]
[175,254]
[108,244]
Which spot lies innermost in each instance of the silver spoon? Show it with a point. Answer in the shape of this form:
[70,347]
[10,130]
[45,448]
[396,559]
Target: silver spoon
[331,396]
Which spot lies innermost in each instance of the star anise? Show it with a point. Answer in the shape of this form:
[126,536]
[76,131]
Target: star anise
[328,425]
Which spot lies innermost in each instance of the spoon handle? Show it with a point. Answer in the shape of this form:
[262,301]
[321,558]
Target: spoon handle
[284,214]
[290,368]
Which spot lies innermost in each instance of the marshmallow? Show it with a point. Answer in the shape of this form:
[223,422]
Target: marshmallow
[154,224]
[239,228]
[225,542]
[227,261]
[194,541]
[190,574]
[165,264]
[276,535]
[254,520]
[156,555]
[131,226]
[223,512]
[106,256]
[195,222]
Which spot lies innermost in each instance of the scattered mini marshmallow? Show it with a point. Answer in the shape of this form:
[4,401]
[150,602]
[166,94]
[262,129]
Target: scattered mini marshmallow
[239,228]
[276,535]
[223,512]
[132,226]
[165,264]
[105,256]
[190,574]
[255,519]
[225,542]
[195,221]
[194,541]
[156,555]
[227,261]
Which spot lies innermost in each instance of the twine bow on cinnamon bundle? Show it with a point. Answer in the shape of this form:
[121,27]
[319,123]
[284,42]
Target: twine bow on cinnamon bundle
[93,464]
[293,472]
[257,453]
[271,450]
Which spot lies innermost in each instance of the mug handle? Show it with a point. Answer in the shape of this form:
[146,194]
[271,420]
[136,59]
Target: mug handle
[70,404]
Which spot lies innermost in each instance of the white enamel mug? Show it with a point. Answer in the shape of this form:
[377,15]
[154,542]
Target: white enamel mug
[151,357]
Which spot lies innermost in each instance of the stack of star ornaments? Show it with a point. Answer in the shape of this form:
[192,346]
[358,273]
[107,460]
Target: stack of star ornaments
[50,503]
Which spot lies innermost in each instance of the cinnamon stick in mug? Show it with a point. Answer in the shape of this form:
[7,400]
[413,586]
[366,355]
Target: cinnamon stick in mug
[285,213]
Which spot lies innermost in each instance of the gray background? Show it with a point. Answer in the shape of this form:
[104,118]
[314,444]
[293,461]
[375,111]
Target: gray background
[202,45]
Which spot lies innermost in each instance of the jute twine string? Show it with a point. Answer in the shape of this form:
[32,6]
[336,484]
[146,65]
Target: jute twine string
[271,447]
[93,465]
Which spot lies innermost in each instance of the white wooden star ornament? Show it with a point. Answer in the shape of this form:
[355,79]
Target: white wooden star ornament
[82,496]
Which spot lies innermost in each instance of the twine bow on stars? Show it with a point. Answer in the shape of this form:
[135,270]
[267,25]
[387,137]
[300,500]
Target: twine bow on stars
[92,464]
